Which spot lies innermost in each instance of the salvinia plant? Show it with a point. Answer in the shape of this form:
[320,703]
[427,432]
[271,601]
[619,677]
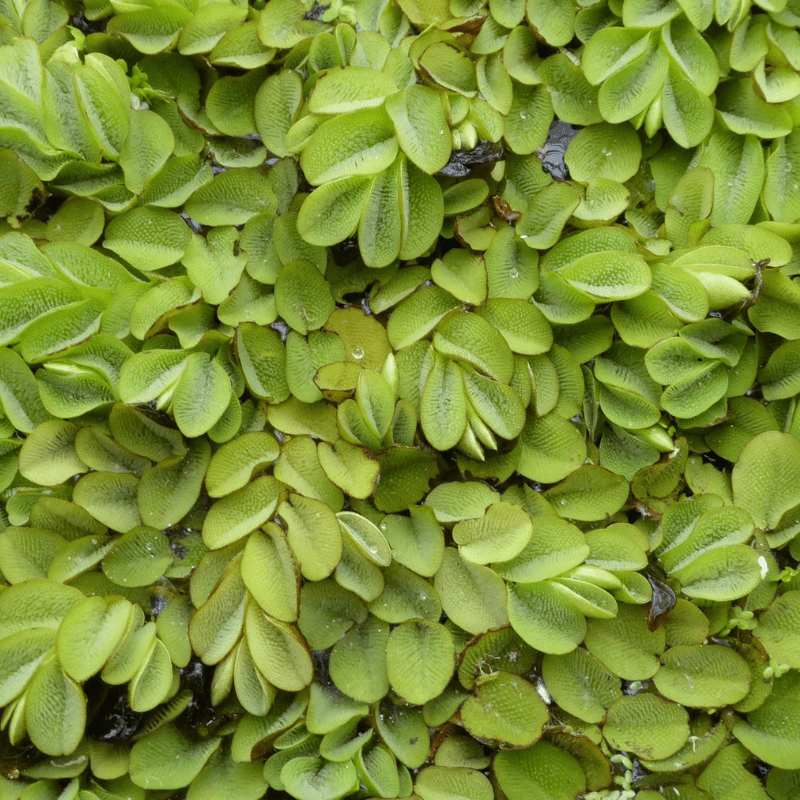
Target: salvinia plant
[357,441]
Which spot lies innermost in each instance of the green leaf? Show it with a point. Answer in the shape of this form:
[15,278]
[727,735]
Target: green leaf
[168,759]
[417,541]
[79,219]
[497,405]
[646,725]
[609,275]
[554,22]
[20,656]
[283,24]
[723,573]
[22,304]
[230,104]
[604,151]
[528,120]
[26,553]
[420,125]
[573,96]
[138,558]
[20,188]
[771,732]
[358,661]
[350,89]
[743,111]
[473,339]
[422,210]
[48,455]
[465,195]
[630,89]
[544,619]
[207,27]
[418,314]
[420,660]
[303,297]
[406,596]
[626,645]
[783,164]
[232,465]
[777,629]
[147,147]
[331,212]
[276,104]
[581,684]
[201,395]
[148,238]
[232,198]
[314,535]
[473,596]
[500,535]
[366,537]
[110,498]
[380,228]
[262,357]
[542,771]
[299,468]
[238,513]
[361,143]
[450,67]
[505,708]
[618,547]
[554,547]
[589,493]
[766,476]
[546,213]
[278,651]
[217,624]
[89,634]
[55,710]
[552,448]
[443,408]
[703,676]
[308,777]
[151,373]
[168,490]
[142,435]
[151,30]
[727,772]
[511,267]
[38,603]
[405,475]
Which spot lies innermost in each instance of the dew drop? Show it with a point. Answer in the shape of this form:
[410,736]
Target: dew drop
[358,352]
[523,116]
[513,272]
[606,152]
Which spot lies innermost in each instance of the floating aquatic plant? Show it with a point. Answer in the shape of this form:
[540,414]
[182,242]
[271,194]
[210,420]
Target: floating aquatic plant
[350,447]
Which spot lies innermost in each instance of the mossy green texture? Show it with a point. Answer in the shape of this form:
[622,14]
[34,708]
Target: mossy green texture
[351,448]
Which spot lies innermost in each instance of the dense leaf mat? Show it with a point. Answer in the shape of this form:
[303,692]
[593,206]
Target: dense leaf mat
[355,444]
